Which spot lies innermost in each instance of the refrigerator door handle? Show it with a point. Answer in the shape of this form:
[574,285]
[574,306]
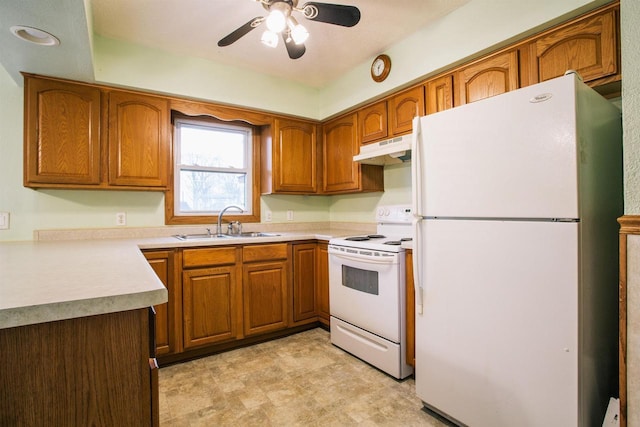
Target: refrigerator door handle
[416,202]
[416,169]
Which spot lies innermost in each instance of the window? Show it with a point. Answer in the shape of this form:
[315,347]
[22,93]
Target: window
[213,168]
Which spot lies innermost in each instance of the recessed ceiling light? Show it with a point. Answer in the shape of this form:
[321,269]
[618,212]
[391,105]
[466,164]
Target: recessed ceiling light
[34,35]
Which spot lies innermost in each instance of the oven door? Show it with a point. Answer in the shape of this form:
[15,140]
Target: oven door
[364,289]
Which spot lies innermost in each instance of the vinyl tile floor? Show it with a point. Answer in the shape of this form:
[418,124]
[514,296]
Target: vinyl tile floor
[299,380]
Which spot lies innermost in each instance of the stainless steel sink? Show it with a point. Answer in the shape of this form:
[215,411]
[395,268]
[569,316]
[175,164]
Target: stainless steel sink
[200,236]
[223,236]
[254,234]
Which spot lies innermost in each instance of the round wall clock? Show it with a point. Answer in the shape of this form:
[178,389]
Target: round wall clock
[380,68]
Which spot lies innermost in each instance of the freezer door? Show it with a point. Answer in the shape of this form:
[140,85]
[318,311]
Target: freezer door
[510,156]
[497,343]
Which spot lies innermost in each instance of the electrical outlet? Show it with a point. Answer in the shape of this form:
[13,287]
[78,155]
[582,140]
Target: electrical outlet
[289,215]
[268,217]
[4,220]
[121,218]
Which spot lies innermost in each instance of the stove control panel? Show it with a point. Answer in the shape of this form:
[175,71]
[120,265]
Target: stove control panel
[400,214]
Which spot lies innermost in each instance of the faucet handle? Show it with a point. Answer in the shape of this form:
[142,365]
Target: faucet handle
[234,227]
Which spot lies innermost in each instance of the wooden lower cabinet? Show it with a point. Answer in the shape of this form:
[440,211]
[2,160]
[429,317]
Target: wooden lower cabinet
[322,283]
[87,371]
[224,296]
[304,282]
[410,311]
[211,298]
[265,283]
[167,334]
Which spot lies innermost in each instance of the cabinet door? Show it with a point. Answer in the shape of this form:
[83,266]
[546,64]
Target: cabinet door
[372,121]
[62,133]
[265,297]
[439,94]
[340,173]
[294,157]
[304,280]
[162,263]
[489,77]
[410,311]
[588,46]
[211,299]
[138,140]
[322,283]
[403,108]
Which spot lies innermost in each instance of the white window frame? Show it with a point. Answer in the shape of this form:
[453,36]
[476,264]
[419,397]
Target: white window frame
[247,169]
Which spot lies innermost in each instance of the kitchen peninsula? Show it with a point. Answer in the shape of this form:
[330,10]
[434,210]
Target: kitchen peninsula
[75,334]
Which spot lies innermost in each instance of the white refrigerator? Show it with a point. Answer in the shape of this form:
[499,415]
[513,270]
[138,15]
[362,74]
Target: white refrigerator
[515,251]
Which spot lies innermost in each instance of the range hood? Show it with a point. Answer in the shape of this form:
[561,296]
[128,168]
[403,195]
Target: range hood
[386,152]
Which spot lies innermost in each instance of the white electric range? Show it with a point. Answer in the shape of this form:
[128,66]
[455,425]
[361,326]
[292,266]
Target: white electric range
[367,292]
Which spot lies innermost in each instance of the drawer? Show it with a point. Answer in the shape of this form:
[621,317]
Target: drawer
[208,256]
[264,252]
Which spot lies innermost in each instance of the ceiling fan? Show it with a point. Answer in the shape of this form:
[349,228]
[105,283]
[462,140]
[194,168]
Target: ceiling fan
[280,20]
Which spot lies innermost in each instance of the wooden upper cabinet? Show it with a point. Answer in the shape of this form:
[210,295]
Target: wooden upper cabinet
[62,133]
[403,107]
[372,121]
[439,94]
[340,173]
[291,156]
[588,46]
[138,140]
[489,77]
[390,117]
[84,136]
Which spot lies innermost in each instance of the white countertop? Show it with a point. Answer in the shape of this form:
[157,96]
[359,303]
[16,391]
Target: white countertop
[48,281]
[44,281]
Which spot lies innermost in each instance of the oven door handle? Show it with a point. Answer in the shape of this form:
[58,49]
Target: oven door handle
[366,258]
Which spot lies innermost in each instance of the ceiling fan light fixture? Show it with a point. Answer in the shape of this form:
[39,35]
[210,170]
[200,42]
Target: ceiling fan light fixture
[278,14]
[299,33]
[269,38]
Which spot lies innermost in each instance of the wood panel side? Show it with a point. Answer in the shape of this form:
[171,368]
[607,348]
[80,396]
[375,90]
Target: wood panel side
[629,224]
[84,371]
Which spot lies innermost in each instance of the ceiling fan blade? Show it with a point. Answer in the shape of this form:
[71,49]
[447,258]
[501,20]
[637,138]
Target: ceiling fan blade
[294,50]
[235,35]
[337,14]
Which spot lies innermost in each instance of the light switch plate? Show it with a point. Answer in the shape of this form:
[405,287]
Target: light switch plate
[4,220]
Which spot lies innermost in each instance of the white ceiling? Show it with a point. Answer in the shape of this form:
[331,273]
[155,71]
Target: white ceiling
[193,28]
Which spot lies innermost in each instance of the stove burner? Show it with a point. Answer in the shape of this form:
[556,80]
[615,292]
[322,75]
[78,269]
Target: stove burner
[393,243]
[406,239]
[376,236]
[357,238]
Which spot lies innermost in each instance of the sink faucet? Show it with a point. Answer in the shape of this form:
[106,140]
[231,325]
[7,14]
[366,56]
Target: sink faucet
[219,226]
